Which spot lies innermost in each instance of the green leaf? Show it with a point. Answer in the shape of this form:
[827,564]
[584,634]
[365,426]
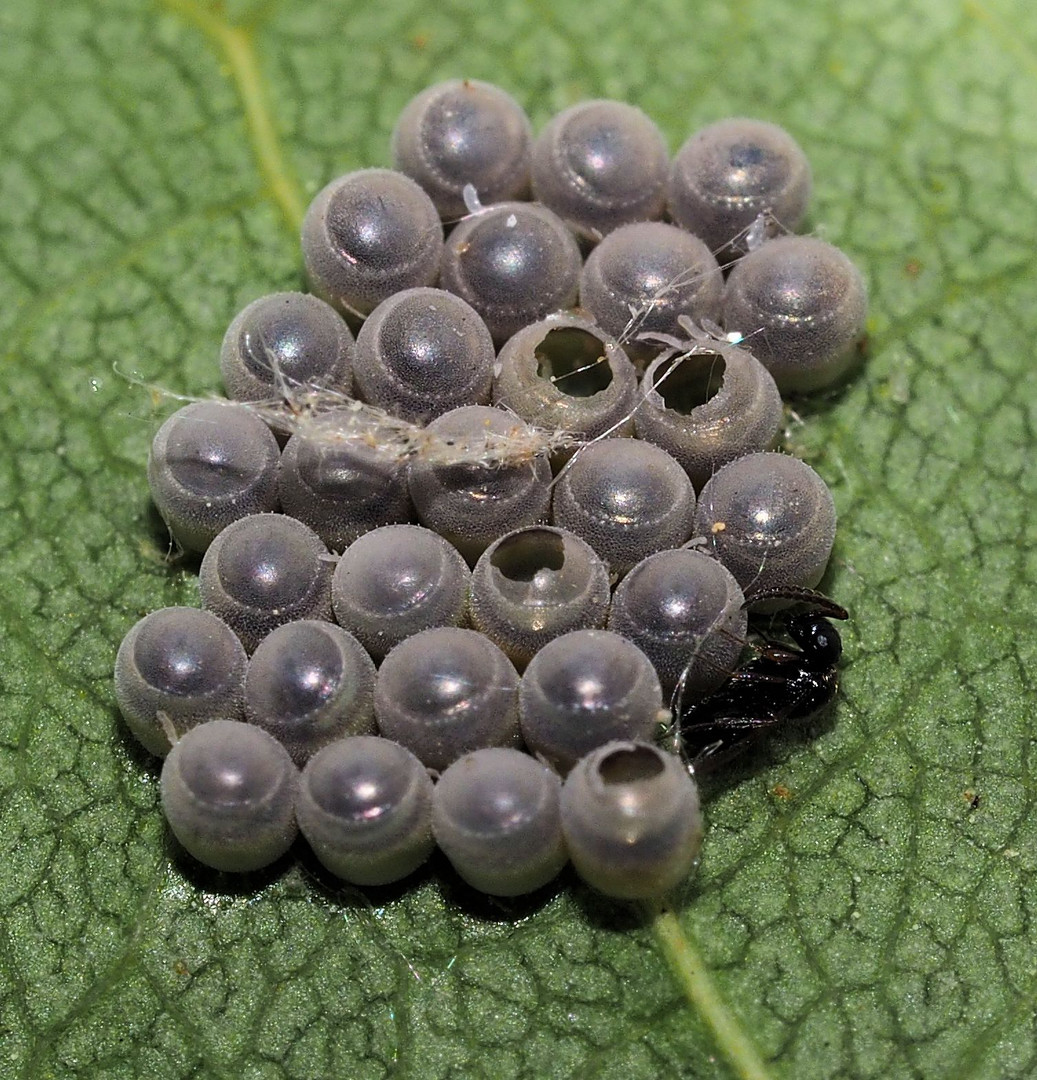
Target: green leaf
[866,904]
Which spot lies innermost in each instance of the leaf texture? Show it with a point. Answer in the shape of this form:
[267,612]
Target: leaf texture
[866,901]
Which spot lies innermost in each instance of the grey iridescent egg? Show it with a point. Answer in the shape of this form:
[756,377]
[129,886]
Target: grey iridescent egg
[601,164]
[684,610]
[423,352]
[285,341]
[211,463]
[730,172]
[708,407]
[339,483]
[228,793]
[472,502]
[462,132]
[583,689]
[627,499]
[514,263]
[770,519]
[263,571]
[369,234]
[445,692]
[365,807]
[310,682]
[397,581]
[566,374]
[534,584]
[643,276]
[631,819]
[495,815]
[803,305]
[184,663]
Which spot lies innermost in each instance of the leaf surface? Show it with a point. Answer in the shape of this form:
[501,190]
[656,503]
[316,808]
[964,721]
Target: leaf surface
[866,901]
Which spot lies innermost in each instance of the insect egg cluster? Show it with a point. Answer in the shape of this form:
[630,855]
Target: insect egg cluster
[482,500]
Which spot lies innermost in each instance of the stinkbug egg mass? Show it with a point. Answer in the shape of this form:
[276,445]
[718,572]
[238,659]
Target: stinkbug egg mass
[575,398]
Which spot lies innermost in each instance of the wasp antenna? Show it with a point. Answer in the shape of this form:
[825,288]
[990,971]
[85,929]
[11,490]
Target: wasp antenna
[802,595]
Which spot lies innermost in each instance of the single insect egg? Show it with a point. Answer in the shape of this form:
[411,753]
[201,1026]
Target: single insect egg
[728,173]
[770,519]
[586,688]
[422,353]
[370,234]
[396,581]
[472,502]
[534,584]
[263,571]
[708,407]
[285,341]
[181,662]
[631,819]
[495,816]
[309,683]
[339,483]
[365,807]
[464,132]
[684,610]
[643,276]
[599,165]
[627,499]
[565,374]
[211,463]
[514,263]
[228,793]
[803,303]
[446,691]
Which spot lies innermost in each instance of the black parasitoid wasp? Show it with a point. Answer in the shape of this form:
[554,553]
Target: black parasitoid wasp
[778,684]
